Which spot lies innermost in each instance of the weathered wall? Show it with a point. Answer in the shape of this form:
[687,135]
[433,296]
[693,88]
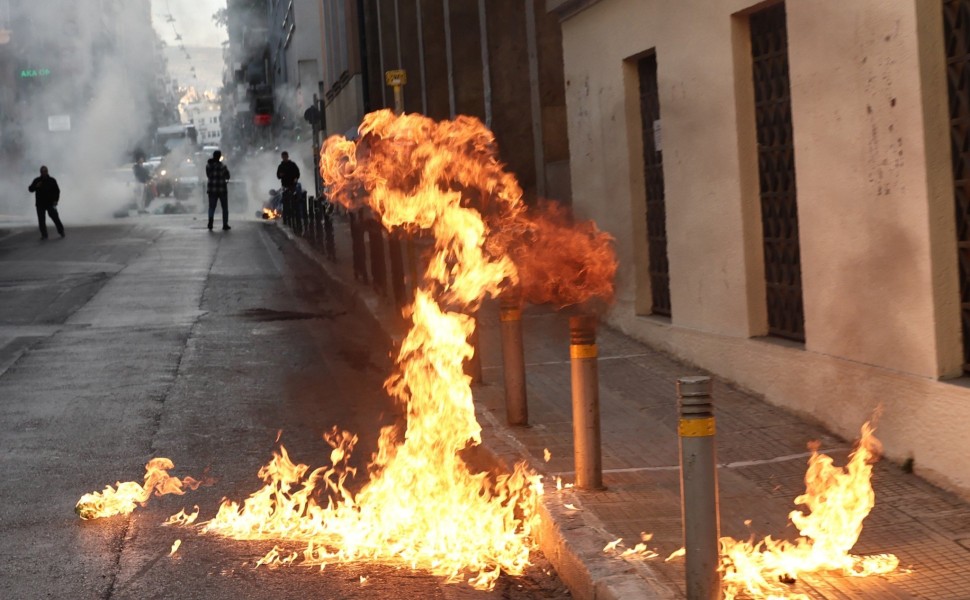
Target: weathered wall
[879,274]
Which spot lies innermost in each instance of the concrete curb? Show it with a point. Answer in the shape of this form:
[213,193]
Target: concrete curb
[572,540]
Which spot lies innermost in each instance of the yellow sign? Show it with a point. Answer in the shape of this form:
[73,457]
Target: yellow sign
[396,77]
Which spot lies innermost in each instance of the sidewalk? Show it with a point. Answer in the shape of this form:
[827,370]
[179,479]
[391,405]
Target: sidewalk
[762,452]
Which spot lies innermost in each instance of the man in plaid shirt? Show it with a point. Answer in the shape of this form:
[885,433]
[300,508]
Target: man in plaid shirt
[218,176]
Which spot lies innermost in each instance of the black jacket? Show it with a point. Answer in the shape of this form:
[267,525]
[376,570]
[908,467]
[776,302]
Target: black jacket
[288,173]
[141,173]
[46,191]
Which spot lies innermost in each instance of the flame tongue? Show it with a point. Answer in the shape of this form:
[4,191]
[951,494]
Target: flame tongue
[838,499]
[130,494]
[422,504]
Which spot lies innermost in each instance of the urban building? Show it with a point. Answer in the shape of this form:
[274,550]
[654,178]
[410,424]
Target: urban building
[247,99]
[789,199]
[294,48]
[205,113]
[500,61]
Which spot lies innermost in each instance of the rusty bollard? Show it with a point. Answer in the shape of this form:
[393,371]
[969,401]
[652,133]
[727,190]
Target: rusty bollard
[583,356]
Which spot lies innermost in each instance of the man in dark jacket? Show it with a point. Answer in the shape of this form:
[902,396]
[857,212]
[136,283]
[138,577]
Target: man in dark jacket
[47,195]
[217,187]
[287,172]
[144,177]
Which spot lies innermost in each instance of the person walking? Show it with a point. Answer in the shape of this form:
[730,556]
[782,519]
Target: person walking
[217,187]
[144,177]
[47,194]
[288,174]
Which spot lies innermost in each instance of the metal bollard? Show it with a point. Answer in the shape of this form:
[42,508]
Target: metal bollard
[473,366]
[375,242]
[513,359]
[358,247]
[698,487]
[583,353]
[397,269]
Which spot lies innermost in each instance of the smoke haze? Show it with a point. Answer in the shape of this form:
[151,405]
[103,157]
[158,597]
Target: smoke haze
[79,83]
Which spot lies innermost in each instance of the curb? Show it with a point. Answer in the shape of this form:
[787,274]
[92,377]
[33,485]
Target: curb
[571,539]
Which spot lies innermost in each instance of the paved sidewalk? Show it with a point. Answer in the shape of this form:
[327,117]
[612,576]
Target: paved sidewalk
[762,451]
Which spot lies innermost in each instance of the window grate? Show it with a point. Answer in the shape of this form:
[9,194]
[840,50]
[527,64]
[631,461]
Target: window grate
[776,168]
[956,30]
[654,176]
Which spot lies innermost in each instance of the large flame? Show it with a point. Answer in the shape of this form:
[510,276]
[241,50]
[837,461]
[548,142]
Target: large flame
[838,500]
[130,494]
[421,504]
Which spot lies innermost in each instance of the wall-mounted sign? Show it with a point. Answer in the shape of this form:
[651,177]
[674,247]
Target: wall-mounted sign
[396,77]
[59,122]
[33,73]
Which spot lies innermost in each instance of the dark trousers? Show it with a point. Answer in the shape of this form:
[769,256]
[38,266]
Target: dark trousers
[42,212]
[224,199]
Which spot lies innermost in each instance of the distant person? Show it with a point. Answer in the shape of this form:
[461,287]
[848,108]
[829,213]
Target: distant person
[144,177]
[287,172]
[47,194]
[217,187]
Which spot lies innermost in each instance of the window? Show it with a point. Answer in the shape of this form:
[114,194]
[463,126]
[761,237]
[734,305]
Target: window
[776,169]
[654,178]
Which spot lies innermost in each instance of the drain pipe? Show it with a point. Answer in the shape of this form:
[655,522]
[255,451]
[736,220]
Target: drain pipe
[583,355]
[698,487]
[513,359]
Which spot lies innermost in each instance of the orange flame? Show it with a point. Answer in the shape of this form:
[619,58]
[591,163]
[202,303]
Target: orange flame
[421,505]
[561,261]
[838,500]
[269,214]
[129,494]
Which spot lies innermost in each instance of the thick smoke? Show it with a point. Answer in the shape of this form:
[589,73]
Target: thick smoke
[78,90]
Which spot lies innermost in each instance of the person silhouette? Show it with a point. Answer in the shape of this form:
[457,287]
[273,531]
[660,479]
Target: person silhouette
[46,196]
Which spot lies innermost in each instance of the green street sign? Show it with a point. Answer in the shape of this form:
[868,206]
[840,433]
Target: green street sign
[33,73]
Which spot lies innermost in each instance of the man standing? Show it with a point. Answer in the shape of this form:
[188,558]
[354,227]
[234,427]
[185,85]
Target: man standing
[217,188]
[287,172]
[144,177]
[46,194]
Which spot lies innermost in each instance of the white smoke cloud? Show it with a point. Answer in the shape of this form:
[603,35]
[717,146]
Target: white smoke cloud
[98,72]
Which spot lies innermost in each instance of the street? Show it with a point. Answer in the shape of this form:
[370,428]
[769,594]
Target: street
[156,338]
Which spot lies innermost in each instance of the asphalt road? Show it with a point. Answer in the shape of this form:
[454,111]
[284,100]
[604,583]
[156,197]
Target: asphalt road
[154,337]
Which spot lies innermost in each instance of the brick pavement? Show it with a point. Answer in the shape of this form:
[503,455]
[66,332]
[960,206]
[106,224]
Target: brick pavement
[762,451]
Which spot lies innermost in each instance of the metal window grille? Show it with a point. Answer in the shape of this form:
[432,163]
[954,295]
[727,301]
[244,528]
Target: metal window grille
[654,176]
[956,29]
[776,167]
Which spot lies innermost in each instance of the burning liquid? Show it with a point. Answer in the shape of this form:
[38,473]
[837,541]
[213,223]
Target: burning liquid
[130,494]
[838,500]
[421,505]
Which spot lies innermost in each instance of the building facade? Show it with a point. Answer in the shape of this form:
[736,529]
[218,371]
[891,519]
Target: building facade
[788,212]
[294,44]
[247,98]
[498,60]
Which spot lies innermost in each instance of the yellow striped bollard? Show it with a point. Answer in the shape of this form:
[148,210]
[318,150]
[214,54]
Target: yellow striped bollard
[698,487]
[583,356]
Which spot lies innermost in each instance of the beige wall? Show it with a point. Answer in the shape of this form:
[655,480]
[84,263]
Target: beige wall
[879,272]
